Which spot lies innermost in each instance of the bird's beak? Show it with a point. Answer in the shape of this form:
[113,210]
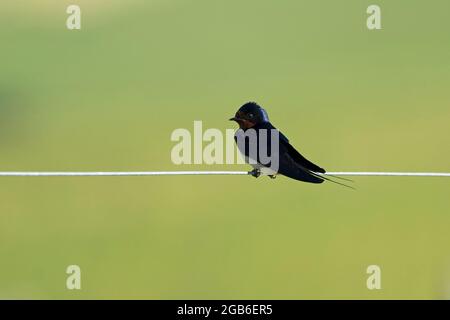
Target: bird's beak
[233,119]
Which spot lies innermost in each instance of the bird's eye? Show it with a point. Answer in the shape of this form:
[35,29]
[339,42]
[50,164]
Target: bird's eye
[250,115]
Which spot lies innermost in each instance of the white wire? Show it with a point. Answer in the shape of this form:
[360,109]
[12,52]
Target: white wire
[177,173]
[115,173]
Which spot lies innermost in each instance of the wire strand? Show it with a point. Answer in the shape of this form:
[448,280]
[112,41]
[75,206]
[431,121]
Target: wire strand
[185,173]
[117,173]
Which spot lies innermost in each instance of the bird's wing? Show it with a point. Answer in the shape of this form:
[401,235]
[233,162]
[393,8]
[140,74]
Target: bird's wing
[293,165]
[290,162]
[298,158]
[289,167]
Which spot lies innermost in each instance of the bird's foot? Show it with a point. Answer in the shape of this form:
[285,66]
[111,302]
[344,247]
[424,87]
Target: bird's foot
[272,176]
[255,173]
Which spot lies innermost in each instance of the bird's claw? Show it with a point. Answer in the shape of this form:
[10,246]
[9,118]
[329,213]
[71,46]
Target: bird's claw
[272,176]
[255,173]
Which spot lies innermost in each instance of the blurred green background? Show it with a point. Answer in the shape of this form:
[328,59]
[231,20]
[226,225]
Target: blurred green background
[108,97]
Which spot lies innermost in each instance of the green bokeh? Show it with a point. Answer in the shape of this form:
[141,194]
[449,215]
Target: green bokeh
[108,97]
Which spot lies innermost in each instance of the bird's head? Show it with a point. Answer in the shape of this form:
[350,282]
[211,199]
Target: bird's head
[249,115]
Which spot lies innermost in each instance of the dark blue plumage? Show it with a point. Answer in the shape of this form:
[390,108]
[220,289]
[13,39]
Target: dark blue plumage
[290,162]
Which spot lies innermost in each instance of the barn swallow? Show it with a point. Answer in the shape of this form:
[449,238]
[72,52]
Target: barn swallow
[290,162]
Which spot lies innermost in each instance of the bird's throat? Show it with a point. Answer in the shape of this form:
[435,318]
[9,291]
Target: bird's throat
[246,124]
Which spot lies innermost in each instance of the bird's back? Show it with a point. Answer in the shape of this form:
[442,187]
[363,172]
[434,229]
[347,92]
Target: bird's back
[290,162]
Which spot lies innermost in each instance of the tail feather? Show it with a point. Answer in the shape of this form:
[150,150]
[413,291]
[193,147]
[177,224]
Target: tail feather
[302,175]
[322,176]
[337,177]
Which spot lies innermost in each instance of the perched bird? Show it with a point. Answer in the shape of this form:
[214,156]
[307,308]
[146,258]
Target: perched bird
[290,162]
